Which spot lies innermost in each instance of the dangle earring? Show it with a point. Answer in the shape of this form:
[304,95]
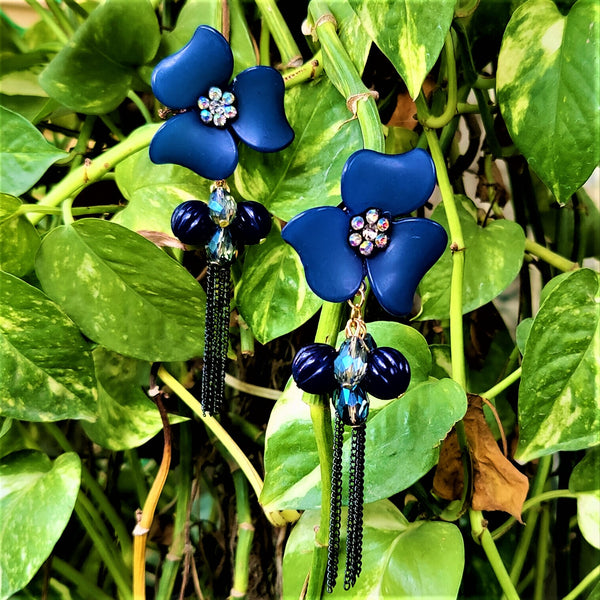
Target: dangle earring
[357,369]
[369,236]
[209,114]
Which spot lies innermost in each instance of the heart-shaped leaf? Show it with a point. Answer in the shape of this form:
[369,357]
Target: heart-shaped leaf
[410,33]
[24,153]
[493,258]
[36,503]
[307,173]
[272,295]
[559,406]
[126,416]
[46,370]
[19,239]
[585,482]
[548,90]
[93,72]
[154,191]
[399,559]
[406,431]
[122,291]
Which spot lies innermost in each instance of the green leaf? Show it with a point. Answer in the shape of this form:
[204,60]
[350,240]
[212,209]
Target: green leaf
[127,418]
[399,559]
[94,71]
[548,90]
[523,331]
[272,295]
[154,191]
[122,291]
[24,153]
[586,474]
[19,239]
[559,407]
[46,371]
[410,33]
[493,258]
[307,173]
[36,502]
[242,46]
[396,455]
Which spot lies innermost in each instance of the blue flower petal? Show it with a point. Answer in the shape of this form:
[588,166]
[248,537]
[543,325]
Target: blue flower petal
[261,122]
[415,245]
[397,183]
[333,270]
[184,140]
[206,60]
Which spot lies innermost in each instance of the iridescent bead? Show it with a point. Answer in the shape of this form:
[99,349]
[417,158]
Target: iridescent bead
[352,405]
[203,102]
[220,248]
[372,215]
[219,120]
[230,112]
[355,239]
[383,224]
[351,362]
[366,248]
[381,241]
[221,206]
[369,234]
[357,222]
[228,98]
[206,116]
[214,93]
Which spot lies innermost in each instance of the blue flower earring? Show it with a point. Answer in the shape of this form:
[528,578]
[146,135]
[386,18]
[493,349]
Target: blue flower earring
[369,236]
[209,116]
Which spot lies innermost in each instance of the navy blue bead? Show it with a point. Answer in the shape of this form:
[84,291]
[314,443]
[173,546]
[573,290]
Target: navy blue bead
[251,224]
[388,373]
[352,405]
[312,368]
[191,223]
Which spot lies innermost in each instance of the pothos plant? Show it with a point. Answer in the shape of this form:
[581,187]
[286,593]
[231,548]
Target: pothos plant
[480,481]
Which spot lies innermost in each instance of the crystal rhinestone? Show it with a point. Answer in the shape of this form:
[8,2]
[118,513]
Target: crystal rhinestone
[228,98]
[381,241]
[352,405]
[383,224]
[366,248]
[206,116]
[230,112]
[355,239]
[221,206]
[219,120]
[357,222]
[220,248]
[372,216]
[351,362]
[215,93]
[218,110]
[203,102]
[369,234]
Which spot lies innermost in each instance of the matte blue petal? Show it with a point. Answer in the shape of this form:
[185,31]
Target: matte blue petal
[397,183]
[184,140]
[261,122]
[206,60]
[415,245]
[333,270]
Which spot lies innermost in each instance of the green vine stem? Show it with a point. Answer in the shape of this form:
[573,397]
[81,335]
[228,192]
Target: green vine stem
[542,554]
[48,19]
[245,535]
[309,70]
[94,170]
[343,70]
[288,49]
[556,260]
[83,585]
[264,43]
[583,584]
[502,385]
[140,106]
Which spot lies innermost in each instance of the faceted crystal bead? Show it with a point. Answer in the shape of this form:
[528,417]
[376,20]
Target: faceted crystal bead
[372,215]
[206,116]
[366,248]
[357,222]
[230,111]
[228,98]
[381,241]
[351,405]
[203,102]
[219,120]
[220,248]
[214,93]
[355,239]
[222,207]
[383,224]
[369,234]
[351,362]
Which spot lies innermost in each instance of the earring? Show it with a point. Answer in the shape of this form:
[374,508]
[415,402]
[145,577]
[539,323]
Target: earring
[208,115]
[368,236]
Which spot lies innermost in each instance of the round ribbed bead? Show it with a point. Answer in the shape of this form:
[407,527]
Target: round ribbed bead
[252,223]
[387,374]
[191,223]
[312,369]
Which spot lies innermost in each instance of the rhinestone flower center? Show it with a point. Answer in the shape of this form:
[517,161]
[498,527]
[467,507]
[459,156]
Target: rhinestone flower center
[369,231]
[217,108]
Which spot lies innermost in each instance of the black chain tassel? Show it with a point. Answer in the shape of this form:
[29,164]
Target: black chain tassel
[335,514]
[355,507]
[216,338]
